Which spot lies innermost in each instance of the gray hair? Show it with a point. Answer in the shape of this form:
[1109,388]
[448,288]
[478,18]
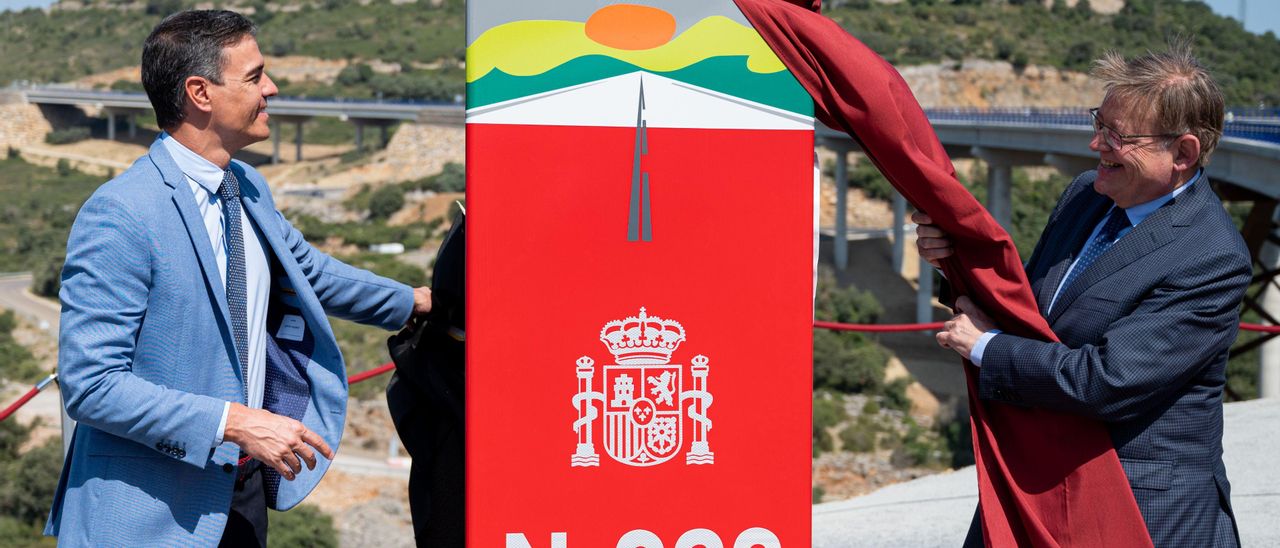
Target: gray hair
[1181,95]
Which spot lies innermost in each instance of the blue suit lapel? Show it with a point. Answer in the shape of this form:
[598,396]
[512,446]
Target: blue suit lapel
[186,205]
[1068,248]
[1158,229]
[264,217]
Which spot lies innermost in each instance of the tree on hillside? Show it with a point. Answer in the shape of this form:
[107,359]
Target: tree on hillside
[385,201]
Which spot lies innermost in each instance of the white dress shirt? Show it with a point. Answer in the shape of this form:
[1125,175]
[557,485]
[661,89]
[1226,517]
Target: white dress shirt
[204,178]
[1136,214]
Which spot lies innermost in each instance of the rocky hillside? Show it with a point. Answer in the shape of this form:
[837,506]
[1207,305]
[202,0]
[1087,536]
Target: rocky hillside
[980,83]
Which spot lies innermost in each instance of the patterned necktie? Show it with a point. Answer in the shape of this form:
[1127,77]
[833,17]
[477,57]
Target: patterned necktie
[237,300]
[1118,220]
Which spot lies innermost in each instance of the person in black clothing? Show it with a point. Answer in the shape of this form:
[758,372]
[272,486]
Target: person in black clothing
[426,398]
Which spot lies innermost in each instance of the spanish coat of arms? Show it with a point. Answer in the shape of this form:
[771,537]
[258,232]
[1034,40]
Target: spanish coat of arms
[643,398]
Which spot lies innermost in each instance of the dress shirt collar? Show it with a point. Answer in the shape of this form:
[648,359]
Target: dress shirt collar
[1141,211]
[194,166]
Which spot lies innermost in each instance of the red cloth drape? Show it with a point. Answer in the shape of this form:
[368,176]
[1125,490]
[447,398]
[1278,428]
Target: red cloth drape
[1044,478]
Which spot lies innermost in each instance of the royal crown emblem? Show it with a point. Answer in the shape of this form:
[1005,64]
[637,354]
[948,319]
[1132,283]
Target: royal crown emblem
[644,407]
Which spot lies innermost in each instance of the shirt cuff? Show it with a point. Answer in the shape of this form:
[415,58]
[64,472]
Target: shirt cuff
[979,347]
[222,425]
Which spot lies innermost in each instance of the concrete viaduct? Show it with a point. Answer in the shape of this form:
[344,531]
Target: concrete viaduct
[1244,168]
[379,114]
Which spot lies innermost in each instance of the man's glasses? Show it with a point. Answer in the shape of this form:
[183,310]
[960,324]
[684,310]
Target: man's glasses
[1116,140]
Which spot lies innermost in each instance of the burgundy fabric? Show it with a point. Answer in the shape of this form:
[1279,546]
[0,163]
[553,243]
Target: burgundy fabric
[1044,478]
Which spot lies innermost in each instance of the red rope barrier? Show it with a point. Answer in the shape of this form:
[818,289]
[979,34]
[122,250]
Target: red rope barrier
[1260,328]
[27,397]
[836,326]
[361,377]
[878,328]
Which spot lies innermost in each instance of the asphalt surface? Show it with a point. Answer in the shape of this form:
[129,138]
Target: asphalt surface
[936,510]
[15,294]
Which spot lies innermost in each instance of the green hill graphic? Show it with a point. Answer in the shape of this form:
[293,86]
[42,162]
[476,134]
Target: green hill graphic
[728,75]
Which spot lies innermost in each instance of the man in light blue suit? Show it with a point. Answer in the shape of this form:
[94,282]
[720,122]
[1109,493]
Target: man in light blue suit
[194,348]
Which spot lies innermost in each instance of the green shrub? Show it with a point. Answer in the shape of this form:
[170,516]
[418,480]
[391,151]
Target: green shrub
[921,447]
[959,442]
[46,280]
[842,360]
[847,362]
[304,525]
[860,435]
[63,167]
[818,493]
[828,411]
[894,394]
[12,153]
[452,178]
[384,202]
[132,86]
[27,482]
[67,135]
[16,362]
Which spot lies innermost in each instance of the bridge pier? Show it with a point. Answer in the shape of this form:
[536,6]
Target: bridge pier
[275,142]
[277,121]
[130,115]
[924,293]
[1269,352]
[1070,165]
[840,244]
[899,231]
[382,126]
[1000,164]
[297,141]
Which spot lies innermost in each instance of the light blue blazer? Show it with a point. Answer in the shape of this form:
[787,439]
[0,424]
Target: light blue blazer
[146,358]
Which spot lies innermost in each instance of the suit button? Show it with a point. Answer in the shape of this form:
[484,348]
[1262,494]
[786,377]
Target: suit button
[181,453]
[228,468]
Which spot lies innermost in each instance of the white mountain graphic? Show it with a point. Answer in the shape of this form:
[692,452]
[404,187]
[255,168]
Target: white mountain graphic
[611,102]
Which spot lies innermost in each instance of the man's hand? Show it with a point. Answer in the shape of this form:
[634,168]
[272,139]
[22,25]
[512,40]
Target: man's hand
[421,300]
[962,332]
[931,242]
[276,441]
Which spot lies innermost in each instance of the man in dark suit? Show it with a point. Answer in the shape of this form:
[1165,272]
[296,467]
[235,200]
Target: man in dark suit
[1140,273]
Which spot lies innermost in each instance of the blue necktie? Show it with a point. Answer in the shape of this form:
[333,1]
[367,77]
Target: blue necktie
[237,300]
[1118,220]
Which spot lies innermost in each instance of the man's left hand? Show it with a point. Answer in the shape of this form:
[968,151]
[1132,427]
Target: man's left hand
[421,300]
[961,332]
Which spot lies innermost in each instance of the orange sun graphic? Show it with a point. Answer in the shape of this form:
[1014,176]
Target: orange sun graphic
[631,27]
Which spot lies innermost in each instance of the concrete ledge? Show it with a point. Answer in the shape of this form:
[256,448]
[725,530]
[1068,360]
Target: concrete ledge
[935,511]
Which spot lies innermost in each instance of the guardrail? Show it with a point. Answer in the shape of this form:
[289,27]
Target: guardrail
[1259,124]
[1242,123]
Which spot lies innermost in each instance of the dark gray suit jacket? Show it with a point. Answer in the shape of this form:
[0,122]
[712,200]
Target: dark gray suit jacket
[1145,333]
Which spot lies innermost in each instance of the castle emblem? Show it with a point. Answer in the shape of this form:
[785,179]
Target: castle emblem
[645,401]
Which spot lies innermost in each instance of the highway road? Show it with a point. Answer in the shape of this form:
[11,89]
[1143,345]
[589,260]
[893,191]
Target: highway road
[15,294]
